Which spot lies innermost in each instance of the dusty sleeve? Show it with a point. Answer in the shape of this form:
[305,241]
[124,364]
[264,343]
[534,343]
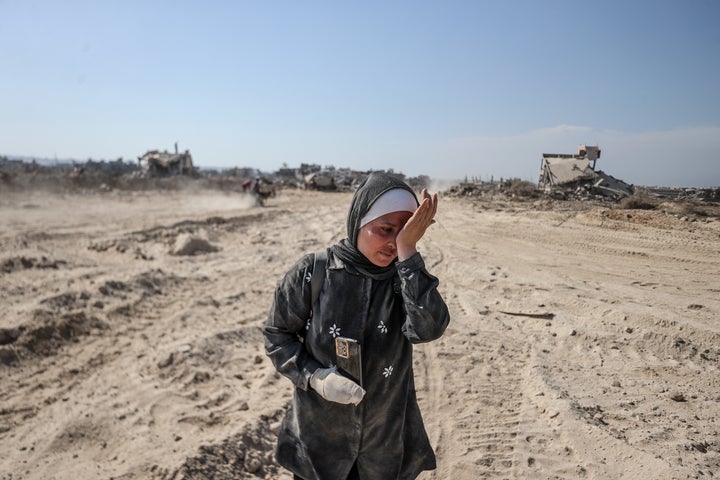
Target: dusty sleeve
[426,314]
[286,322]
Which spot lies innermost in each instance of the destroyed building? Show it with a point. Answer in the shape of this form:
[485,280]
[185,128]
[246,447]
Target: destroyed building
[323,180]
[163,164]
[564,174]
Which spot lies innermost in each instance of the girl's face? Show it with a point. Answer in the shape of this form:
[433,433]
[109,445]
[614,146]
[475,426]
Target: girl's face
[376,240]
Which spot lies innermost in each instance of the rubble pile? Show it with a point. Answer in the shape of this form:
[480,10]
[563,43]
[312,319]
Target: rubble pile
[573,176]
[511,189]
[677,193]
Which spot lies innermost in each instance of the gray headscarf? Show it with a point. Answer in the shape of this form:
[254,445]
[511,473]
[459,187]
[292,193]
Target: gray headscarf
[367,193]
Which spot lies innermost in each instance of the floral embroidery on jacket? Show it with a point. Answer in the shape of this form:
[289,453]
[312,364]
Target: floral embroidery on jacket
[387,371]
[334,331]
[382,327]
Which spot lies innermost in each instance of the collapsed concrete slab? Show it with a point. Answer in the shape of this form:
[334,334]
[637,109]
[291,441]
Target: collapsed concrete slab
[562,174]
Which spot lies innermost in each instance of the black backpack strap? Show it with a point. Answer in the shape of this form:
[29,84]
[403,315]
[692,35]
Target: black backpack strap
[318,275]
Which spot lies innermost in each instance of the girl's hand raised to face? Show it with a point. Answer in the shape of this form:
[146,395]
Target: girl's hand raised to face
[416,226]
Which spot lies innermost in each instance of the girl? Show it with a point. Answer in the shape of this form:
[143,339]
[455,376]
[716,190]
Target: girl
[376,300]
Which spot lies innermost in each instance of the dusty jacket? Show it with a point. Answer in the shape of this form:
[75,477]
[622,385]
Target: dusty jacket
[384,433]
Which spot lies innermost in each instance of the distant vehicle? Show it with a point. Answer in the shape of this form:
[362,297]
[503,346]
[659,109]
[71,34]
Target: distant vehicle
[320,181]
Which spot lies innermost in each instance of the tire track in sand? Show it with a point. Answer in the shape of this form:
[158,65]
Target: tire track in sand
[473,428]
[487,426]
[483,414]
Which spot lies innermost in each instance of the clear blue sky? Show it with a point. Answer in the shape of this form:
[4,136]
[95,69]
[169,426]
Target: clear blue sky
[443,88]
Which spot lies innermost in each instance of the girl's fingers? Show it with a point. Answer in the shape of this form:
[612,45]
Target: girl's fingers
[428,204]
[422,218]
[425,211]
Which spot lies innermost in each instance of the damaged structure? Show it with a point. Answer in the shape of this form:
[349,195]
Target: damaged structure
[155,163]
[564,174]
[322,180]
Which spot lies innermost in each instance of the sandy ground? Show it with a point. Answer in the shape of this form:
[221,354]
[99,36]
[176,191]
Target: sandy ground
[583,343]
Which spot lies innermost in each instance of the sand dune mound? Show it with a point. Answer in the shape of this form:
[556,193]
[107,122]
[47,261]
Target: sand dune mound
[186,244]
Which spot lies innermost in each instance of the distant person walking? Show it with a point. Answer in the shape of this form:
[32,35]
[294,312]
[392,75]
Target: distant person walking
[257,192]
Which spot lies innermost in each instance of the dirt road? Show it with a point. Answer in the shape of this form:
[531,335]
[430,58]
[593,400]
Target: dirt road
[584,343]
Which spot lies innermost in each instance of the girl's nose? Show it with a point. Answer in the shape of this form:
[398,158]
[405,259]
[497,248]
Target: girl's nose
[392,244]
